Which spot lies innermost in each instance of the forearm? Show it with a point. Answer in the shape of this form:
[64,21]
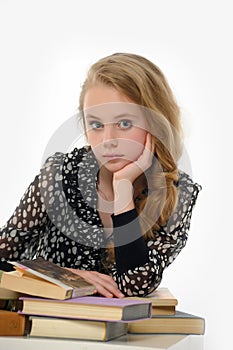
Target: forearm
[129,245]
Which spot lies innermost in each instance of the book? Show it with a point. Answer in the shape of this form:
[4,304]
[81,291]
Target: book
[9,299]
[12,323]
[53,327]
[7,294]
[180,323]
[45,279]
[163,301]
[163,310]
[88,307]
[11,304]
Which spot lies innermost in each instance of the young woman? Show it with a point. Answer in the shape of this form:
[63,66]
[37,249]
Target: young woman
[116,212]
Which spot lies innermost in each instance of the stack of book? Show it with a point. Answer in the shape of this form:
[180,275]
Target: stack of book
[57,303]
[94,318]
[50,301]
[166,319]
[11,323]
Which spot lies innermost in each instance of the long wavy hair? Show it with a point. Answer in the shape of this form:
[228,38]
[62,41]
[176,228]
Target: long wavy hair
[144,83]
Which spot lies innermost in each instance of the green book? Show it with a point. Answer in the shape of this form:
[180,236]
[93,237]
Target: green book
[179,323]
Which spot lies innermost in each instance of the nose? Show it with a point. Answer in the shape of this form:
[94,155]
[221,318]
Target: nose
[109,136]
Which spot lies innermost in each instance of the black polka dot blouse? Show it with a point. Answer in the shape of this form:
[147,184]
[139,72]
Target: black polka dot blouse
[57,219]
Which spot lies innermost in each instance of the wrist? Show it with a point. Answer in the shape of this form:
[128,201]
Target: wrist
[123,196]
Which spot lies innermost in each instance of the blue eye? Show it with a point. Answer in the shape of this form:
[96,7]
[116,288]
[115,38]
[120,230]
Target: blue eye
[124,124]
[96,125]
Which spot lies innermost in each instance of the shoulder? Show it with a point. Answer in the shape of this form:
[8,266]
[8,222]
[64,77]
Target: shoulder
[187,189]
[179,221]
[65,161]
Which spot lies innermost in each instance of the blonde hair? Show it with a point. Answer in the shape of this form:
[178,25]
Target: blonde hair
[144,83]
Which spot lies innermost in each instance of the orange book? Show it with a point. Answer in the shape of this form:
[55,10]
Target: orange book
[12,323]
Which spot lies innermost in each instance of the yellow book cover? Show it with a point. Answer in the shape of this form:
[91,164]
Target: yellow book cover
[53,327]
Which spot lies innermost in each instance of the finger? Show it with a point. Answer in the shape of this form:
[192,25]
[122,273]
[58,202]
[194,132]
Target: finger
[103,291]
[149,143]
[112,290]
[108,291]
[145,160]
[98,282]
[107,285]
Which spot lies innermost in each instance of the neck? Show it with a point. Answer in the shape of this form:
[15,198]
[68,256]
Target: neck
[104,186]
[105,177]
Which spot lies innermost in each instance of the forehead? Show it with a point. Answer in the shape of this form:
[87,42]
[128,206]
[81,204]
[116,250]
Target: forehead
[114,110]
[101,94]
[107,104]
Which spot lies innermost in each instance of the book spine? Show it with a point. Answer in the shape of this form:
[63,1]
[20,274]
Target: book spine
[12,324]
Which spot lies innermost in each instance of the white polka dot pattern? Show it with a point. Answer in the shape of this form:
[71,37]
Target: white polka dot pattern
[57,219]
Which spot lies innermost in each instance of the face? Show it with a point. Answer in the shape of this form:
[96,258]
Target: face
[115,126]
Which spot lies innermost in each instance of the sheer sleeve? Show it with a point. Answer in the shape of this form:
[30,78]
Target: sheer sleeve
[129,246]
[162,250]
[19,238]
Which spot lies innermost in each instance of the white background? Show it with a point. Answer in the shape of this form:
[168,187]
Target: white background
[46,48]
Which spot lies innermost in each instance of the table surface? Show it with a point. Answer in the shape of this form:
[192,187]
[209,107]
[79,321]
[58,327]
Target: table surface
[128,342]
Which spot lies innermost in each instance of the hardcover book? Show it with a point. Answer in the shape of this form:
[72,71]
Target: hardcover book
[11,323]
[180,323]
[45,279]
[163,301]
[89,307]
[64,328]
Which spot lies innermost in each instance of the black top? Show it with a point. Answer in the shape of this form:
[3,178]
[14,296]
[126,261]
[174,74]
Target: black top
[57,219]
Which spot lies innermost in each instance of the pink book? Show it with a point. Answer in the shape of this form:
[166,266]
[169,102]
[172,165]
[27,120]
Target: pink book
[89,307]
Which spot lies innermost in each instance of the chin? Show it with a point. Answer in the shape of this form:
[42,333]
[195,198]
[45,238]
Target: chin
[116,165]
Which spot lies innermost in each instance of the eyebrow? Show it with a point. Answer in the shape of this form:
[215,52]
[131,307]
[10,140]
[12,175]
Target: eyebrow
[89,116]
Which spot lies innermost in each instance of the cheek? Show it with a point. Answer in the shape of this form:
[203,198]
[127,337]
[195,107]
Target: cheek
[133,148]
[96,147]
[136,145]
[92,138]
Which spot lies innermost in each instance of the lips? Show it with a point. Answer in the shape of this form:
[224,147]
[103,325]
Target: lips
[113,156]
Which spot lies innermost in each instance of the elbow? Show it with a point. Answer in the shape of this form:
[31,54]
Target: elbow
[138,285]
